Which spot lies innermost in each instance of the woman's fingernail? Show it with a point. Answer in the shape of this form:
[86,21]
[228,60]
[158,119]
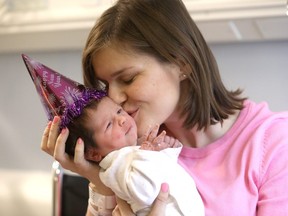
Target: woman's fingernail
[164,187]
[80,141]
[55,119]
[49,124]
[63,130]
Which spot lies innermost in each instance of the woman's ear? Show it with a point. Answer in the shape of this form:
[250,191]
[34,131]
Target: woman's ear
[184,71]
[182,76]
[92,154]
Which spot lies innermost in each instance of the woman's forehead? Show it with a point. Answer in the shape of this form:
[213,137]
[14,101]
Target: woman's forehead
[113,62]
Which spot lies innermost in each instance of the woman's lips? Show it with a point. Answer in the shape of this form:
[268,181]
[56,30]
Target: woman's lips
[134,113]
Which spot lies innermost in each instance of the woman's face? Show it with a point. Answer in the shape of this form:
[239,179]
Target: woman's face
[147,89]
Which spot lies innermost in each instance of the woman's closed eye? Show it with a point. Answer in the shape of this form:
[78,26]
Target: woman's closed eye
[127,80]
[119,111]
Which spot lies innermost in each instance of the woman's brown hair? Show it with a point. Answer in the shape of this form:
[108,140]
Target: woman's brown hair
[165,30]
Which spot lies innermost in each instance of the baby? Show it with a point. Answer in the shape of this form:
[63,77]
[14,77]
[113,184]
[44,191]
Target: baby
[104,127]
[133,172]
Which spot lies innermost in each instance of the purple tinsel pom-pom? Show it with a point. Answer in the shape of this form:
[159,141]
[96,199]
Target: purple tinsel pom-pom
[75,109]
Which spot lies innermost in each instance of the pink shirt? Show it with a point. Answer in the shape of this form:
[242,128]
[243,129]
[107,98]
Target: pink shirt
[245,172]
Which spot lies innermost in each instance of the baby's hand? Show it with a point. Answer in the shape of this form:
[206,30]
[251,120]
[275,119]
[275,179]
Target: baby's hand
[172,142]
[150,141]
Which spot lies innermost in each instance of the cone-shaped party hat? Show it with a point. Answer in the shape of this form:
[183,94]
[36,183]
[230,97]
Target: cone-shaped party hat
[60,95]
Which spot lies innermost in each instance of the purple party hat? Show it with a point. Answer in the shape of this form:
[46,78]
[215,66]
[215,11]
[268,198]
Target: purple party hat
[60,95]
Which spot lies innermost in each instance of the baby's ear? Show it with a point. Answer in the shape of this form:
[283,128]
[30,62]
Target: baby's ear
[92,154]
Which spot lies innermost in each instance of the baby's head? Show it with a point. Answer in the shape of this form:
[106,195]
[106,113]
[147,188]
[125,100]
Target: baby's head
[104,127]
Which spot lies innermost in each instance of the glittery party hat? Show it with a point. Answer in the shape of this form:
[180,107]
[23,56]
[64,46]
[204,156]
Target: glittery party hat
[60,95]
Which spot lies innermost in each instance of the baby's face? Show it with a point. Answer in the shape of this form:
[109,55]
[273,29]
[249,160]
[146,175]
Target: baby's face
[113,127]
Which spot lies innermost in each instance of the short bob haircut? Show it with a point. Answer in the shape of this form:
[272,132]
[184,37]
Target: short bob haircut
[164,29]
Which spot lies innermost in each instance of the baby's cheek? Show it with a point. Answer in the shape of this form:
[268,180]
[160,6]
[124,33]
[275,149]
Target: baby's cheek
[119,138]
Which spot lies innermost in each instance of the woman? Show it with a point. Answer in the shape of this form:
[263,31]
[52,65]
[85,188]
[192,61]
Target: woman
[154,62]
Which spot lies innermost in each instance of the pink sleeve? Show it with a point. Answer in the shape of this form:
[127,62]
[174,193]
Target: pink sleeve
[273,180]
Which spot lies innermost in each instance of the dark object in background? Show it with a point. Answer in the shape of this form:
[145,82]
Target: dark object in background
[70,193]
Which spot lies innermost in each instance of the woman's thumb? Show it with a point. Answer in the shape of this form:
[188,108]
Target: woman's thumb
[160,202]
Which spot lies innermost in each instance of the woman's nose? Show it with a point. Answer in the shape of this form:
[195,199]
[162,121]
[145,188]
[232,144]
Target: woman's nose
[117,94]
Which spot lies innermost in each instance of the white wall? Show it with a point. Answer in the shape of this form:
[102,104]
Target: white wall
[22,117]
[259,68]
[25,171]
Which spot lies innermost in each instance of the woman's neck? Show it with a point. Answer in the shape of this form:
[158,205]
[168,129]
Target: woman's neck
[199,138]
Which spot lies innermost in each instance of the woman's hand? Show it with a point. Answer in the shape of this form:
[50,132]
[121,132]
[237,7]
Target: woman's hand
[53,143]
[158,208]
[159,205]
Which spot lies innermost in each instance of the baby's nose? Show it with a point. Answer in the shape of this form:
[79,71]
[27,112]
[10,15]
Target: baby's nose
[121,120]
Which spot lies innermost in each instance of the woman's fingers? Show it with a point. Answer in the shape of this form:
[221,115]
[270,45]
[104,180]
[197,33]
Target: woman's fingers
[82,165]
[53,134]
[45,137]
[75,164]
[50,135]
[159,206]
[79,157]
[59,151]
[87,168]
[122,208]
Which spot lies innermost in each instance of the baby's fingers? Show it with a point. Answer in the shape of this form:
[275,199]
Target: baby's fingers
[172,142]
[144,137]
[153,133]
[159,138]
